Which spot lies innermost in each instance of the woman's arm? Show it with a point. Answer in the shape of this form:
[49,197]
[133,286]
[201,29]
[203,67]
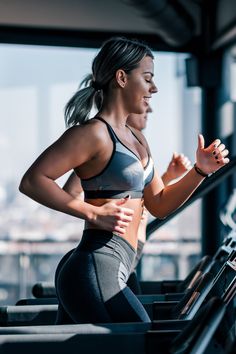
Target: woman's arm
[73,186]
[71,150]
[39,181]
[161,201]
[179,165]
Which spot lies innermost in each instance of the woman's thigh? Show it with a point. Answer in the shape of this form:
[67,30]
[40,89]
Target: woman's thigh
[92,287]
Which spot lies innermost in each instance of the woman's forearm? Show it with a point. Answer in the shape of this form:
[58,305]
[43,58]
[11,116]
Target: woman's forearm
[166,178]
[47,192]
[173,196]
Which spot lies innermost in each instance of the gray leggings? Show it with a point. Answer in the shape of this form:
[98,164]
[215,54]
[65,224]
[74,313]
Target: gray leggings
[91,282]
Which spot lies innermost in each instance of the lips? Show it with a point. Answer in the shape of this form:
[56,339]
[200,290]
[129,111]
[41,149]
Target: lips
[146,99]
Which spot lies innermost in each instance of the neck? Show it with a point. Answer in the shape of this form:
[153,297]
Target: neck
[114,112]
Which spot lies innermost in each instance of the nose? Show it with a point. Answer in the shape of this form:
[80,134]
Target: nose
[154,88]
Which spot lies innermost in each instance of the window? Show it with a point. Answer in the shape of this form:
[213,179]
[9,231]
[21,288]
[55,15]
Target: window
[35,84]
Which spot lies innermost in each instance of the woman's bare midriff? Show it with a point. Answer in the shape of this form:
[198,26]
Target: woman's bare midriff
[131,234]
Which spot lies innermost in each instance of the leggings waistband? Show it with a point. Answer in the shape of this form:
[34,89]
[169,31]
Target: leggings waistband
[102,241]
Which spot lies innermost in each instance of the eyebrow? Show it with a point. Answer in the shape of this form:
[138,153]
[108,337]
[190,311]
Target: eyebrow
[148,72]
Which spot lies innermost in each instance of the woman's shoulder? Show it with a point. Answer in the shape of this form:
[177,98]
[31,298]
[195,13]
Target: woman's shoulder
[91,131]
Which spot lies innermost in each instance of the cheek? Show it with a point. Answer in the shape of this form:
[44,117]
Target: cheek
[136,106]
[134,97]
[139,83]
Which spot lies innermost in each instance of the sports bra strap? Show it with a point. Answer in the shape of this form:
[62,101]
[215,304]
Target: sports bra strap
[112,130]
[134,134]
[115,138]
[109,128]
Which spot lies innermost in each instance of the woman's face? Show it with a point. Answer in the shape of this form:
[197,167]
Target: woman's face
[139,87]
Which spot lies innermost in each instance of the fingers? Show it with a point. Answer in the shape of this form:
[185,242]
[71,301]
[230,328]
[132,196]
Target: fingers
[125,216]
[220,150]
[122,200]
[188,165]
[224,153]
[175,155]
[221,147]
[121,227]
[213,157]
[220,153]
[217,149]
[215,144]
[121,213]
[201,141]
[119,230]
[183,161]
[122,221]
[221,158]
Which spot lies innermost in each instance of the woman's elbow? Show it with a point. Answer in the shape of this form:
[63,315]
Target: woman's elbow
[24,186]
[157,210]
[159,215]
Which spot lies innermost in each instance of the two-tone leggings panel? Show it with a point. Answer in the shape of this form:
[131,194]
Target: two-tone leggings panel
[91,284]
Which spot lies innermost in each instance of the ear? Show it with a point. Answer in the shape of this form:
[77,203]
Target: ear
[121,77]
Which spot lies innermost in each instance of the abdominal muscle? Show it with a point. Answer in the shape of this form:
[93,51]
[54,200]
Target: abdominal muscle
[131,234]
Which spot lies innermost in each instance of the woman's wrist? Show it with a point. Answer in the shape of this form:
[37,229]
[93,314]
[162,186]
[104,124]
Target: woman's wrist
[199,171]
[83,210]
[91,214]
[166,178]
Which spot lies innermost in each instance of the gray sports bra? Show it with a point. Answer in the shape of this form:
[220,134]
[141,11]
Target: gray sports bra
[123,175]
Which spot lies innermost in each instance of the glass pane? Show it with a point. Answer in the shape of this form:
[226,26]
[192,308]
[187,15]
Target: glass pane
[35,84]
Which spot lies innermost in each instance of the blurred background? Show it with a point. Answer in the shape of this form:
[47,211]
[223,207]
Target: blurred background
[46,49]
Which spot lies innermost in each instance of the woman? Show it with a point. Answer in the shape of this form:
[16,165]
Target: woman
[178,165]
[118,178]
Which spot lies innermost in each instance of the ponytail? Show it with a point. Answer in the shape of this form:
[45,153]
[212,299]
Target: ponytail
[78,108]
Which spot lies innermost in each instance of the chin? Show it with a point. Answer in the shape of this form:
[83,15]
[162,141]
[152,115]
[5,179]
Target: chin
[141,110]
